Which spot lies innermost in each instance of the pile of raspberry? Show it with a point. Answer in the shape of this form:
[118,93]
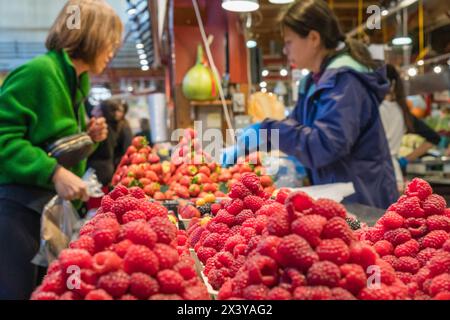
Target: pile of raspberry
[411,232]
[221,244]
[308,252]
[127,251]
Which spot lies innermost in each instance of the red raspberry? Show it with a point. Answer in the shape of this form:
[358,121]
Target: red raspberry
[69,296]
[383,247]
[392,220]
[115,283]
[328,208]
[121,247]
[268,246]
[375,293]
[167,255]
[170,281]
[294,251]
[434,204]
[107,203]
[278,293]
[425,255]
[140,232]
[215,207]
[278,224]
[411,207]
[362,254]
[243,216]
[445,295]
[128,297]
[387,272]
[447,212]
[91,276]
[405,277]
[119,191]
[409,248]
[234,207]
[253,203]
[74,257]
[375,234]
[435,239]
[225,258]
[255,292]
[84,242]
[262,270]
[186,269]
[309,227]
[161,296]
[251,181]
[153,209]
[224,217]
[440,263]
[195,236]
[204,253]
[143,286]
[106,261]
[341,294]
[140,259]
[261,224]
[298,201]
[337,228]
[416,226]
[446,245]
[269,209]
[232,242]
[292,278]
[238,191]
[54,282]
[248,232]
[213,240]
[98,294]
[282,195]
[198,292]
[216,277]
[323,273]
[165,230]
[438,222]
[137,193]
[418,188]
[397,236]
[407,264]
[105,233]
[133,215]
[44,296]
[124,204]
[353,278]
[440,284]
[312,293]
[334,250]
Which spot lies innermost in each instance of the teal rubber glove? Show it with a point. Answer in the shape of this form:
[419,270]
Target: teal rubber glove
[228,156]
[403,163]
[249,140]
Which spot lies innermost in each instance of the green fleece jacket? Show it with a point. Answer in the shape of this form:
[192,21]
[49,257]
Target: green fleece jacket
[36,108]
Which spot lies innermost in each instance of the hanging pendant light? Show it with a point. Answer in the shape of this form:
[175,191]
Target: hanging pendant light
[280,1]
[240,5]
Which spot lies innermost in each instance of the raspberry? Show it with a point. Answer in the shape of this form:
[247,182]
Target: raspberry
[137,193]
[251,181]
[440,284]
[128,297]
[294,251]
[362,254]
[390,259]
[115,283]
[195,236]
[165,230]
[387,272]
[292,278]
[142,286]
[353,278]
[121,247]
[262,270]
[216,277]
[282,195]
[106,261]
[224,217]
[383,247]
[238,191]
[445,295]
[425,255]
[409,248]
[170,281]
[234,207]
[312,293]
[186,269]
[153,209]
[140,259]
[253,203]
[107,203]
[99,294]
[447,212]
[446,245]
[375,234]
[255,292]
[411,208]
[69,296]
[397,236]
[405,277]
[243,216]
[435,239]
[133,215]
[54,283]
[407,264]
[87,229]
[278,224]
[418,188]
[105,233]
[215,207]
[392,220]
[124,204]
[298,201]
[204,253]
[278,293]
[268,247]
[269,209]
[198,292]
[119,191]
[91,276]
[161,296]
[337,228]
[341,294]
[167,255]
[323,273]
[74,257]
[328,208]
[84,242]
[376,293]
[139,232]
[438,222]
[232,242]
[416,226]
[213,241]
[334,250]
[440,263]
[248,232]
[215,227]
[44,296]
[434,204]
[309,227]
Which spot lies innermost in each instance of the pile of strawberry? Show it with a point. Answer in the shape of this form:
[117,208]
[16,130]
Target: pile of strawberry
[409,236]
[128,251]
[305,251]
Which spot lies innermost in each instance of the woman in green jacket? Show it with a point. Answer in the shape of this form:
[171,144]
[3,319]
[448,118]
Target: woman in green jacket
[41,102]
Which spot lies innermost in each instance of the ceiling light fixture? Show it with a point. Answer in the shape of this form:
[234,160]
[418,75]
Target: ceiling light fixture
[240,5]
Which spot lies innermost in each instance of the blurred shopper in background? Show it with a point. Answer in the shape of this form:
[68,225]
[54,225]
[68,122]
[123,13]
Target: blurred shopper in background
[145,130]
[41,102]
[124,135]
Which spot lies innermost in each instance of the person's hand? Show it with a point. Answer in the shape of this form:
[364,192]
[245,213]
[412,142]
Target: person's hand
[97,129]
[228,156]
[403,162]
[249,139]
[69,186]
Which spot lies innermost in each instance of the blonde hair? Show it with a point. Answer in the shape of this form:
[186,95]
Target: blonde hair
[99,27]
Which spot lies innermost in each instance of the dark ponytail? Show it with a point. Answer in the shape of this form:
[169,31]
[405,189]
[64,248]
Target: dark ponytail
[306,15]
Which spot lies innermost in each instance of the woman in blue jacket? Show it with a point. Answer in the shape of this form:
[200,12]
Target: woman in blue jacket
[335,130]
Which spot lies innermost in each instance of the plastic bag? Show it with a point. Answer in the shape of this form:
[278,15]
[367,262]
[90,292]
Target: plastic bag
[60,223]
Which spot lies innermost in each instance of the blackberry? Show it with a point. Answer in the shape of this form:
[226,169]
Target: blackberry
[354,224]
[205,209]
